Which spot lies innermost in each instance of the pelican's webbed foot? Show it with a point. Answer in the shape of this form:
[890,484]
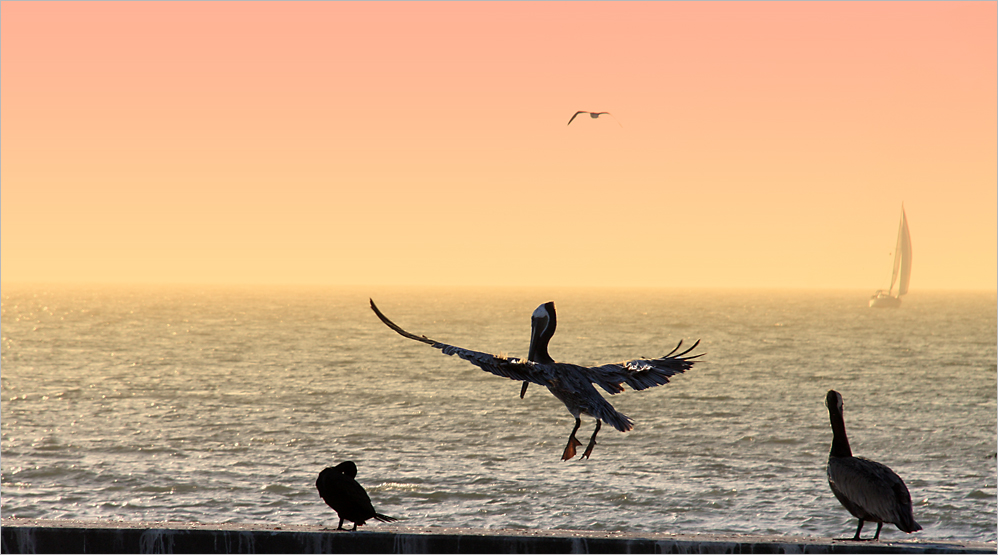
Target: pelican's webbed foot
[573,443]
[592,440]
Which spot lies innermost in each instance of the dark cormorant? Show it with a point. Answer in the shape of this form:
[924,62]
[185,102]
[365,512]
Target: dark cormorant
[340,491]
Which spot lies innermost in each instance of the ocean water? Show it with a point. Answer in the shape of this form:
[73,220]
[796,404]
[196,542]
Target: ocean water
[211,404]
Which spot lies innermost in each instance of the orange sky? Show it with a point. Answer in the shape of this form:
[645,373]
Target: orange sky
[762,144]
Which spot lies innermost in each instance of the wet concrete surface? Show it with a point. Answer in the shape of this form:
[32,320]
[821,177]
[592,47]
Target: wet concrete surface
[72,536]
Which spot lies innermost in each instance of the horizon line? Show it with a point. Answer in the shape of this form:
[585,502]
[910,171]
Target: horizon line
[236,284]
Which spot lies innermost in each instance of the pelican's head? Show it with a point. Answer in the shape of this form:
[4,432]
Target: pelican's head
[595,115]
[542,325]
[834,402]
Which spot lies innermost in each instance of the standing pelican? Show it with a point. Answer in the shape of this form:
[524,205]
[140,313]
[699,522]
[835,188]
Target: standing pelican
[570,383]
[593,115]
[869,490]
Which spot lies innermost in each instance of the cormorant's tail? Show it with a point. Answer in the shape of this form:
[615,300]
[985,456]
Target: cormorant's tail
[384,518]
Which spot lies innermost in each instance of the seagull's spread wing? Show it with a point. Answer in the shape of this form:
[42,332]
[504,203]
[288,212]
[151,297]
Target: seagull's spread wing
[614,118]
[642,373]
[576,113]
[512,368]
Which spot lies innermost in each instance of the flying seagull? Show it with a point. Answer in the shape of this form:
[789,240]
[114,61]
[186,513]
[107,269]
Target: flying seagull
[593,115]
[867,489]
[570,383]
[339,489]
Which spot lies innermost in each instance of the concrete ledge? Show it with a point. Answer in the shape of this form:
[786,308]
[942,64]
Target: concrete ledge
[70,536]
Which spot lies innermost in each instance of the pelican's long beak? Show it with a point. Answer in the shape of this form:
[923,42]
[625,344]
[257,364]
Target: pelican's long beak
[537,325]
[542,325]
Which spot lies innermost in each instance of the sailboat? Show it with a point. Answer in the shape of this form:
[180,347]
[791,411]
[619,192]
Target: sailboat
[902,270]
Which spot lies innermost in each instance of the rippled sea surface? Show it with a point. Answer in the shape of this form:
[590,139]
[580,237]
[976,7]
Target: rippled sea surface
[223,404]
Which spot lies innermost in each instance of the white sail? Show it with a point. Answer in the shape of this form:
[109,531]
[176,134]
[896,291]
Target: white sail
[897,255]
[901,273]
[903,256]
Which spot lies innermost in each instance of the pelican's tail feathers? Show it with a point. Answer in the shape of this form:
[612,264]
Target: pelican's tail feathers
[618,420]
[905,520]
[384,518]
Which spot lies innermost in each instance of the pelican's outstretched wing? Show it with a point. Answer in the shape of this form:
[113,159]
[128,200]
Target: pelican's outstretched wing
[576,113]
[512,368]
[642,373]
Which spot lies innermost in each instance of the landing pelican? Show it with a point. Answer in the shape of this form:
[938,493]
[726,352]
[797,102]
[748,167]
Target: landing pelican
[570,383]
[867,489]
[593,115]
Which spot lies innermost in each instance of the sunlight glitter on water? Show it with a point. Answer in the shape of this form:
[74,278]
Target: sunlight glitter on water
[107,414]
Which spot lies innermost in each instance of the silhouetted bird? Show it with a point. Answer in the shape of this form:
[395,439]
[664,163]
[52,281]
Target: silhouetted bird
[340,491]
[869,490]
[593,115]
[570,383]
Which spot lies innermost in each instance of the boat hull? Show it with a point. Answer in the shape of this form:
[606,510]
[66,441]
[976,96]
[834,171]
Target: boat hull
[885,301]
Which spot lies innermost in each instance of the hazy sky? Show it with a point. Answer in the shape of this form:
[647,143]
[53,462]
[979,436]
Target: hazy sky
[760,145]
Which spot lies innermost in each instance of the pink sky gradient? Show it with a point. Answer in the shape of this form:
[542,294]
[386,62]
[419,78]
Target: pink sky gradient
[763,144]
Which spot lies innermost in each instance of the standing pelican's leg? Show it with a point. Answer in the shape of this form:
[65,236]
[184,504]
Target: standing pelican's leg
[572,441]
[879,526]
[340,527]
[592,440]
[858,529]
